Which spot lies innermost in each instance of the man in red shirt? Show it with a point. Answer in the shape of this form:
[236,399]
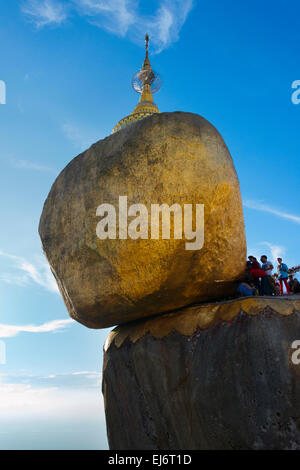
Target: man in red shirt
[255,273]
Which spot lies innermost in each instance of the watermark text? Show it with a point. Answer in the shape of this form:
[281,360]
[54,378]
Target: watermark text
[296,354]
[2,92]
[296,93]
[187,222]
[2,352]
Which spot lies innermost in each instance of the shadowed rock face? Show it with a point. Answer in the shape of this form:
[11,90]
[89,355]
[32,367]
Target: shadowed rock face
[164,159]
[168,383]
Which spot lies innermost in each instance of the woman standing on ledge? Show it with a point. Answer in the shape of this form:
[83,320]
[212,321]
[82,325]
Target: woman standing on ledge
[283,275]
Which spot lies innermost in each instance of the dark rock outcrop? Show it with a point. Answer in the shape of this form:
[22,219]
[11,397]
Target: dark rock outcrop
[214,376]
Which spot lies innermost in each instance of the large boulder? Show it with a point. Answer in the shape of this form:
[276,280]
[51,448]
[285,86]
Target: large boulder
[215,376]
[167,158]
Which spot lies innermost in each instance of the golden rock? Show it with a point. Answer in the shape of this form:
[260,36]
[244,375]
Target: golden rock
[165,158]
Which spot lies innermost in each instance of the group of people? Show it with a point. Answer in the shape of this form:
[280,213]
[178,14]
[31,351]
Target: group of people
[260,280]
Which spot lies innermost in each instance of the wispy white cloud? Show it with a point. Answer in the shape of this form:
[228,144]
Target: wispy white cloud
[79,379]
[271,250]
[122,17]
[27,165]
[260,206]
[46,417]
[9,331]
[166,24]
[30,394]
[119,17]
[277,251]
[18,270]
[45,12]
[80,139]
[116,16]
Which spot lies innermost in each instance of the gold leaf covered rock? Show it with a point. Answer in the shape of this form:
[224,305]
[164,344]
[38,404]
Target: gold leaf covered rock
[165,158]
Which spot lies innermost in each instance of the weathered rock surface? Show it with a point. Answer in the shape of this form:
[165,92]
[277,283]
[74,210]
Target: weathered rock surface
[166,158]
[215,376]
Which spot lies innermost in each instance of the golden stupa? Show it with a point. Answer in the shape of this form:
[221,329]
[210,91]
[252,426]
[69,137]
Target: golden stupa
[144,82]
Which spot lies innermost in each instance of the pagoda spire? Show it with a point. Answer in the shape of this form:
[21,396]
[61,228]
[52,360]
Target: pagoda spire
[146,61]
[146,76]
[145,82]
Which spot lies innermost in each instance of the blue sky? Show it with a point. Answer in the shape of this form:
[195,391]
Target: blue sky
[67,66]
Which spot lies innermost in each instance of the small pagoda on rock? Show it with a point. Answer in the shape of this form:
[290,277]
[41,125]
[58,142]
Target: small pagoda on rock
[146,82]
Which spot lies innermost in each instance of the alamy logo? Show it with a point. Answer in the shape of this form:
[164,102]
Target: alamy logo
[140,227]
[296,94]
[296,354]
[2,352]
[2,92]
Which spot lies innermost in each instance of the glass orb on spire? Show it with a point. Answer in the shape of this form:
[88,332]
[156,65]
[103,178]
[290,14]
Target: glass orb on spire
[146,77]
